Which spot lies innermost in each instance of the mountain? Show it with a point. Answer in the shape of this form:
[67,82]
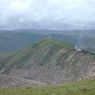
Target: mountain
[13,40]
[51,61]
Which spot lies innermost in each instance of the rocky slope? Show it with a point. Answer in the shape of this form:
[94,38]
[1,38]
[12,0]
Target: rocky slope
[49,61]
[7,81]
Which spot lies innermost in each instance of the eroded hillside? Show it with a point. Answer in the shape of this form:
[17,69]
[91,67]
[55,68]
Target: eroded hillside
[49,61]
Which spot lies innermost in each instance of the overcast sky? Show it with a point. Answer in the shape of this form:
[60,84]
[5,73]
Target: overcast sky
[56,14]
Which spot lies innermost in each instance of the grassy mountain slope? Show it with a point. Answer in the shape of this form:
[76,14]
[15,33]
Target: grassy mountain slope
[50,61]
[38,54]
[78,88]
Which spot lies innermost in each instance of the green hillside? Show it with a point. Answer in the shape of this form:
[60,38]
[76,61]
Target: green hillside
[78,88]
[41,53]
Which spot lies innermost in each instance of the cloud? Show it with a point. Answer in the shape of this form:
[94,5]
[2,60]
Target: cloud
[47,13]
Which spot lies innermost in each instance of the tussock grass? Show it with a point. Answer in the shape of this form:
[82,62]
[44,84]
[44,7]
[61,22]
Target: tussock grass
[78,88]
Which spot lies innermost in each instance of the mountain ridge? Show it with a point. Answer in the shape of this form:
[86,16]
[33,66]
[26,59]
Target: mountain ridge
[49,60]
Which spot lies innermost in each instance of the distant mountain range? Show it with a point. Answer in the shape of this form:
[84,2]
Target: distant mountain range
[13,40]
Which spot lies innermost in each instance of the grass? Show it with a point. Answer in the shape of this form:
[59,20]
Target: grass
[78,88]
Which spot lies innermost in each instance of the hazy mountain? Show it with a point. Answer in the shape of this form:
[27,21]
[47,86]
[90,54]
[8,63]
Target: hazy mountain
[13,40]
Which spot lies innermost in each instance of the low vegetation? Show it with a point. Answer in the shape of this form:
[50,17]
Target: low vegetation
[78,88]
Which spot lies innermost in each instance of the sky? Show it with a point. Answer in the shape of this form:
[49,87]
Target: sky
[47,14]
